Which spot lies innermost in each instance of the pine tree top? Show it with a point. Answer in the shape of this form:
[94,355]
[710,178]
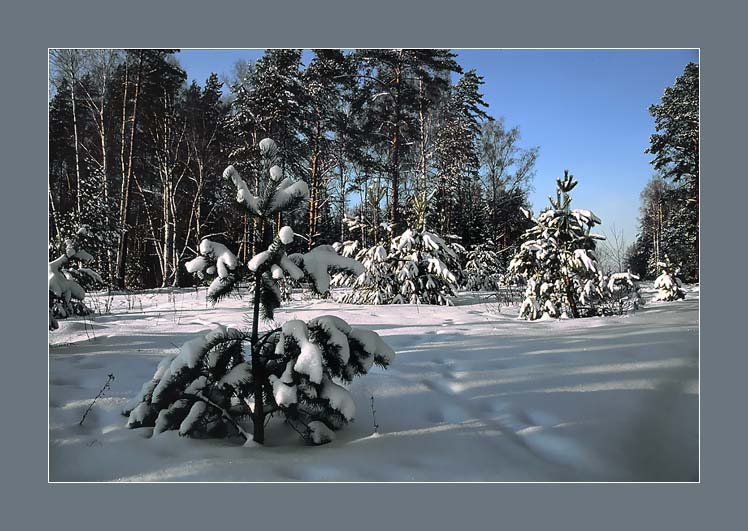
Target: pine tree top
[274,194]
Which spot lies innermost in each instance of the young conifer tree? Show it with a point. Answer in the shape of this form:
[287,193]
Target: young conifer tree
[669,287]
[557,259]
[419,268]
[211,384]
[483,270]
[623,292]
[68,282]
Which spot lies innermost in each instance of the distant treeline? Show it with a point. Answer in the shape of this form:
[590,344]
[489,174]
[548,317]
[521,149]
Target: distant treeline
[385,139]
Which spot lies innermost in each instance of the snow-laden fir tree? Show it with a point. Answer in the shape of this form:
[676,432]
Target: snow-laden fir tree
[425,268]
[557,260]
[483,270]
[455,260]
[226,376]
[623,292]
[376,284]
[669,287]
[415,270]
[68,279]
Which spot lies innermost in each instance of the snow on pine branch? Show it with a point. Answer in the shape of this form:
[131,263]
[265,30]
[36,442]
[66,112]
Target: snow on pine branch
[243,194]
[215,259]
[318,263]
[275,194]
[204,390]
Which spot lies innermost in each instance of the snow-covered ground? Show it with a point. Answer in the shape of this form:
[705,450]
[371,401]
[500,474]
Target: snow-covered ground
[473,395]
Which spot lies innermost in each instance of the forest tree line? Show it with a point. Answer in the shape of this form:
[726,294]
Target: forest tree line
[669,213]
[384,139]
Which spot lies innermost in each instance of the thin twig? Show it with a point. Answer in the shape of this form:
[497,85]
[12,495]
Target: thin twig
[374,415]
[109,380]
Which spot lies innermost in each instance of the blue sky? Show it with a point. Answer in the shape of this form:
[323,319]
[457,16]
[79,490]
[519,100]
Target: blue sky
[587,110]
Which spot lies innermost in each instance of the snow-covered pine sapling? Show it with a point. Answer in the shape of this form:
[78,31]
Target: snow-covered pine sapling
[214,382]
[623,292]
[421,268]
[455,260]
[208,389]
[200,391]
[418,269]
[483,270]
[669,287]
[67,283]
[305,360]
[375,285]
[557,259]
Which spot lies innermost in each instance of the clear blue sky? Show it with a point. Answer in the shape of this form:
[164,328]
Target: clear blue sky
[585,109]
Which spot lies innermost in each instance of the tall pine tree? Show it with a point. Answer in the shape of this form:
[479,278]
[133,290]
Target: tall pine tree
[393,81]
[675,147]
[457,157]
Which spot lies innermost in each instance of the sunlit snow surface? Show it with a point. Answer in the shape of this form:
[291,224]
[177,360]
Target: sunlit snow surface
[473,395]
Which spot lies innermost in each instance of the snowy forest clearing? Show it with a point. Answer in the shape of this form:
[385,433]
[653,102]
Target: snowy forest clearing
[472,395]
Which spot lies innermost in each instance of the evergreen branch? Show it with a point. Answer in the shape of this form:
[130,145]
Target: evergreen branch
[224,414]
[306,434]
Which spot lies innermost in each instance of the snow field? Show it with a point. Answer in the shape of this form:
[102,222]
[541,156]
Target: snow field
[472,395]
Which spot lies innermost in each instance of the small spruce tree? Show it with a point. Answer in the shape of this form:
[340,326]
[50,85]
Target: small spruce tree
[557,259]
[623,292]
[214,383]
[68,280]
[418,269]
[483,270]
[669,287]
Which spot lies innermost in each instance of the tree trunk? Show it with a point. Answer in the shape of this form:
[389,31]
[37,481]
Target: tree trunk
[395,160]
[105,175]
[199,204]
[77,156]
[258,371]
[314,179]
[313,202]
[168,246]
[423,164]
[175,253]
[258,374]
[55,217]
[127,181]
[375,204]
[395,176]
[244,243]
[342,200]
